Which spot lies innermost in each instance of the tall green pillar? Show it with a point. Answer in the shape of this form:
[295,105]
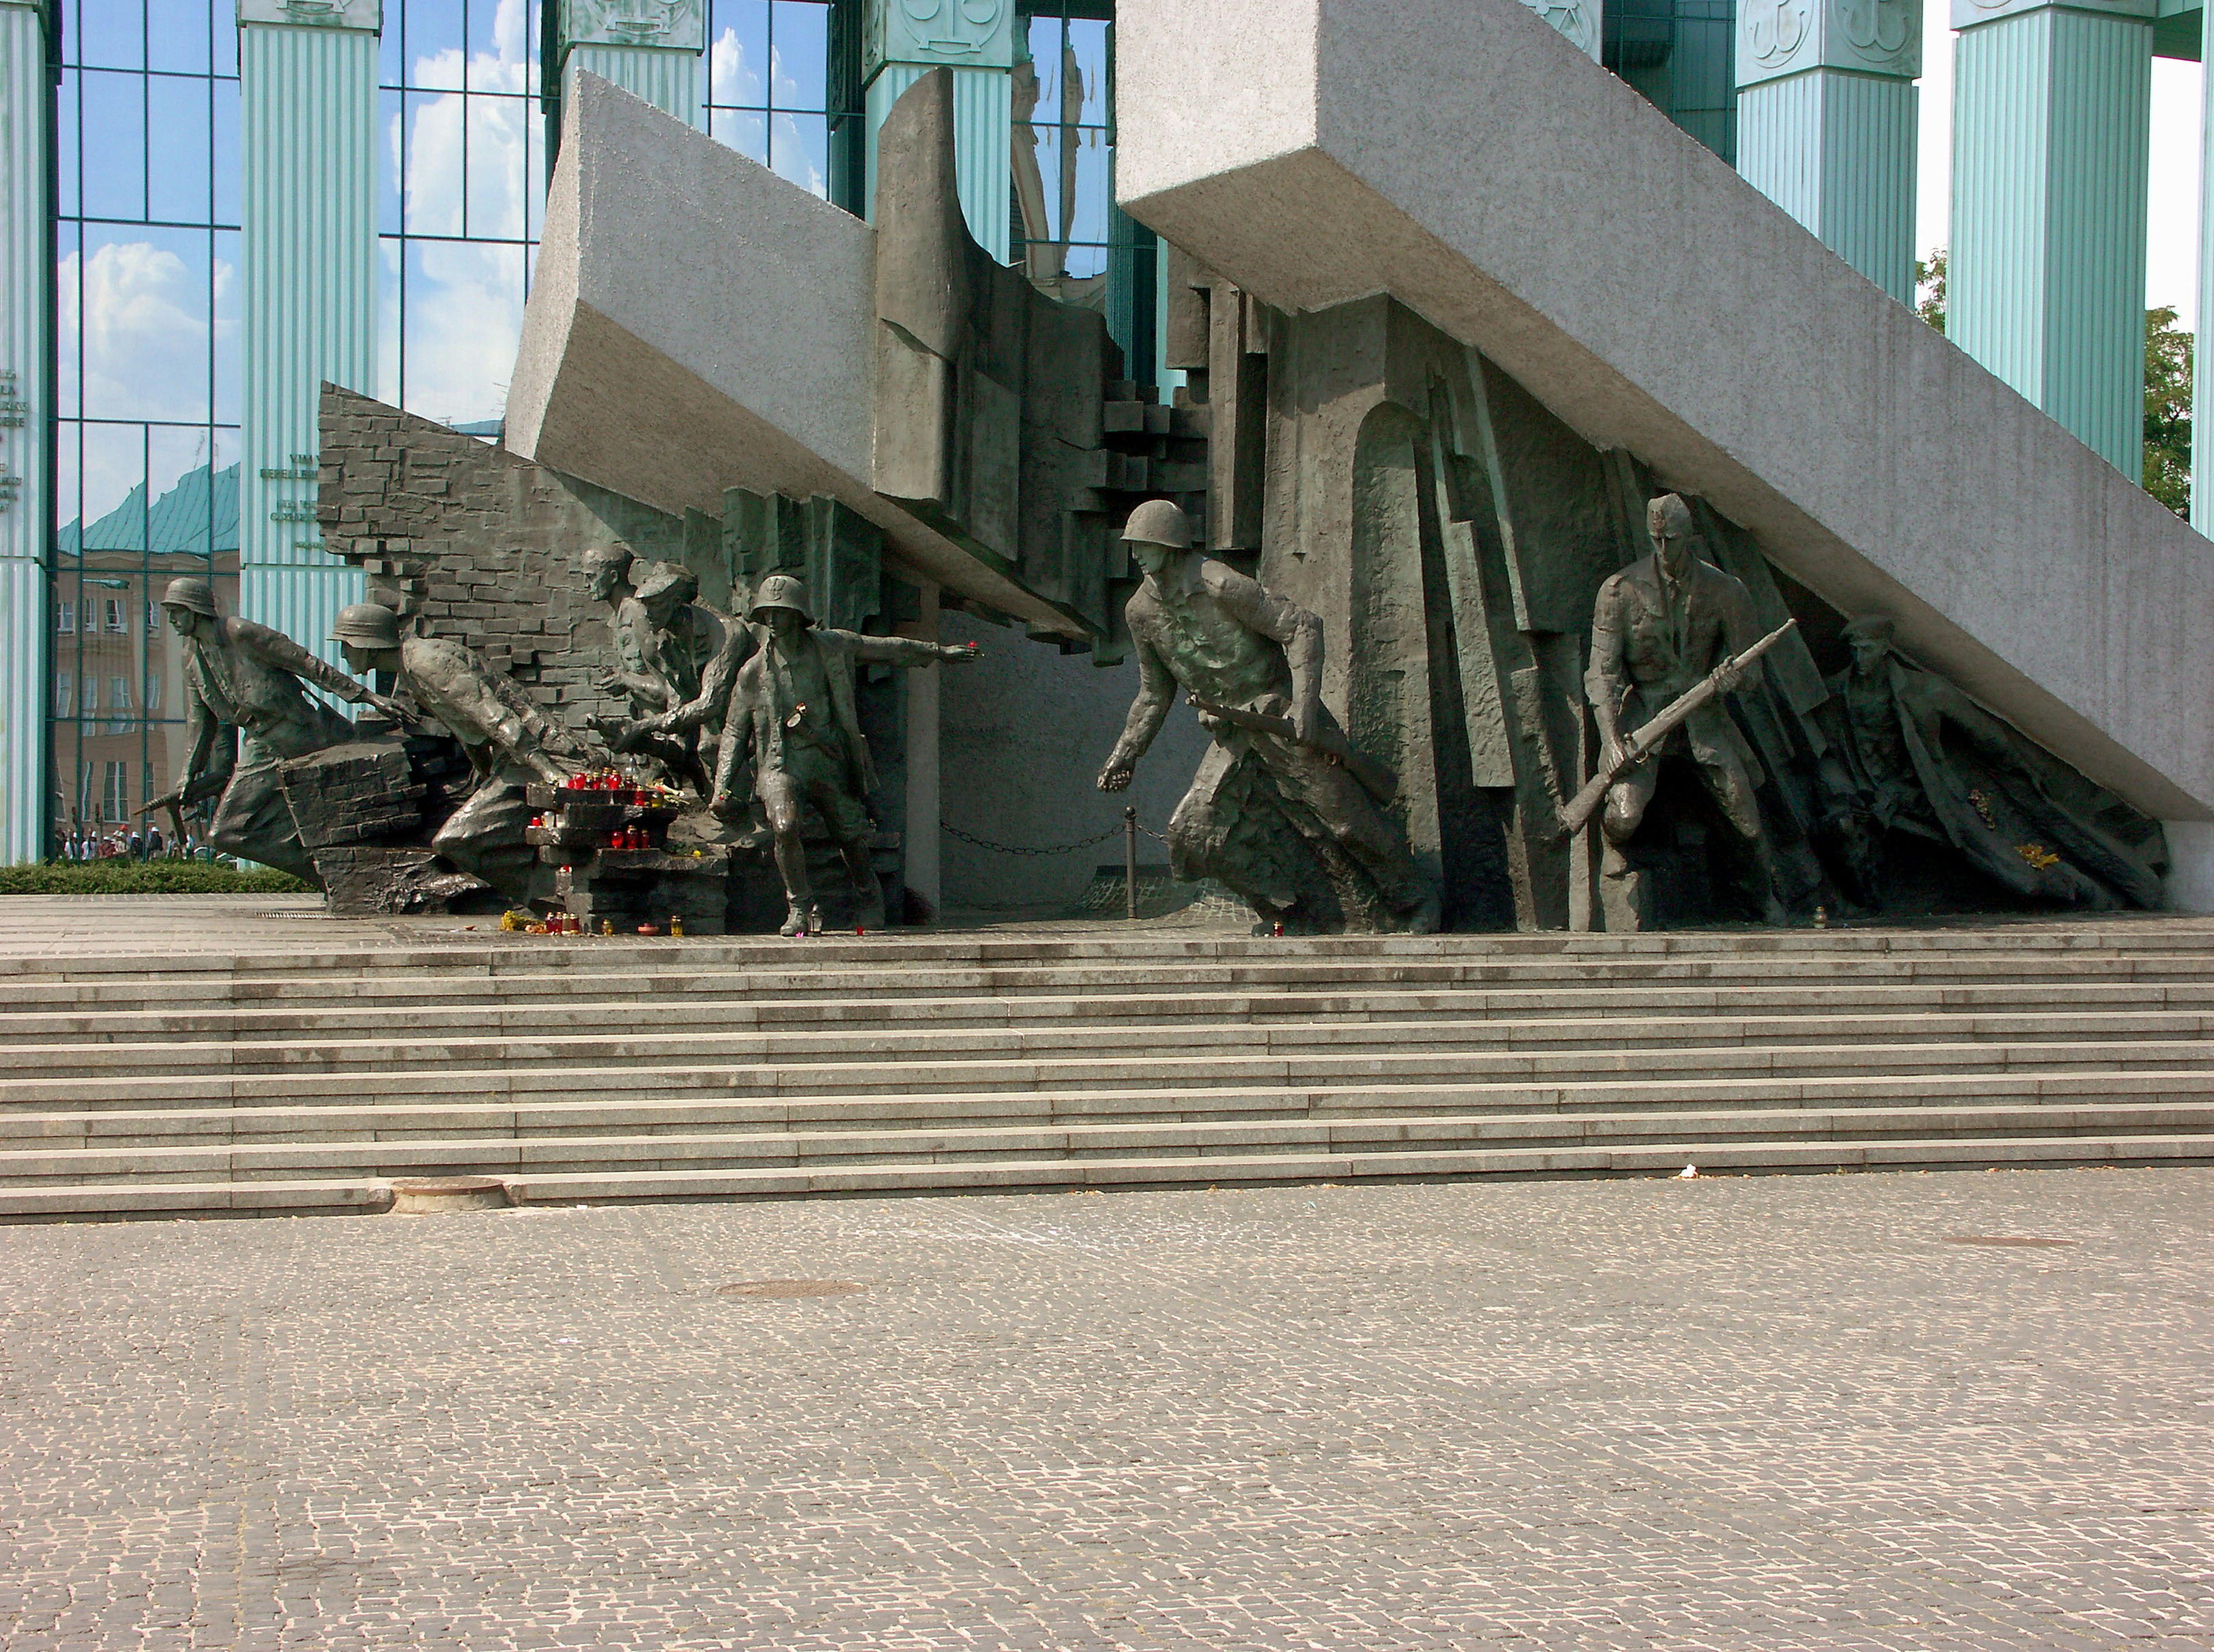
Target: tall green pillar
[1825,123]
[2202,380]
[308,149]
[977,39]
[2052,106]
[651,51]
[25,276]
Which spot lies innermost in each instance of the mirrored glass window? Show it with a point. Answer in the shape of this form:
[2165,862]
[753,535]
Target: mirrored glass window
[769,90]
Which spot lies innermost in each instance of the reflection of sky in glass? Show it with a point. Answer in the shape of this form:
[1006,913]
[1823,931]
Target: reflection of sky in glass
[767,77]
[147,302]
[1069,58]
[462,191]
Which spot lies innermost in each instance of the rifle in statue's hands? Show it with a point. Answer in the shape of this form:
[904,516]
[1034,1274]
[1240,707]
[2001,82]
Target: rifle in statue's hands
[202,787]
[1642,744]
[1376,779]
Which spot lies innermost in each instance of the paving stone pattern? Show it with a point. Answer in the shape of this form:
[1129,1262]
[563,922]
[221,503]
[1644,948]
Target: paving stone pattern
[1768,1413]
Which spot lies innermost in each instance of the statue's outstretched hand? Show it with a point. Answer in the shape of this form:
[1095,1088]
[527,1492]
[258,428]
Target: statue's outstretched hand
[1115,777]
[958,651]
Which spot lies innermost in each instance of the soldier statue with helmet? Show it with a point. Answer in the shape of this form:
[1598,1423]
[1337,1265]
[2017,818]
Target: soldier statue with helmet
[244,675]
[509,741]
[1255,658]
[791,711]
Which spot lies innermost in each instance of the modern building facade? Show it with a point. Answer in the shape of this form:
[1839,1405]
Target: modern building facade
[210,208]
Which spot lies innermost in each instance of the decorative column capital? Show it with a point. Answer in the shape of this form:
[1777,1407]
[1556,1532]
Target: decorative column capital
[365,15]
[672,25]
[958,33]
[1966,14]
[1776,38]
[1575,22]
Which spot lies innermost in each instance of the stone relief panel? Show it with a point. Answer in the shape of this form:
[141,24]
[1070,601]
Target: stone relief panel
[1969,13]
[681,24]
[1777,37]
[329,14]
[960,33]
[1576,21]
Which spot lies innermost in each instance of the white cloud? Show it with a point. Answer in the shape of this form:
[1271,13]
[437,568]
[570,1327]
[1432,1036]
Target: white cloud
[733,80]
[2172,240]
[146,332]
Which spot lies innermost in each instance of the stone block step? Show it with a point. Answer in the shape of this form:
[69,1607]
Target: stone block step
[124,1200]
[531,1118]
[1154,1139]
[523,1071]
[1125,1015]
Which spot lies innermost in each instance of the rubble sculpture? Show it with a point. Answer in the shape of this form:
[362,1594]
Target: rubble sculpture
[509,741]
[244,675]
[1909,753]
[791,711]
[1275,812]
[1660,625]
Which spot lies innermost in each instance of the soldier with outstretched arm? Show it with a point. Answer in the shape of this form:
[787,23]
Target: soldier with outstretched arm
[243,676]
[1225,639]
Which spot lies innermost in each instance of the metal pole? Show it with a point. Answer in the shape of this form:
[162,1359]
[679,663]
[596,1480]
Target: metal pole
[1130,859]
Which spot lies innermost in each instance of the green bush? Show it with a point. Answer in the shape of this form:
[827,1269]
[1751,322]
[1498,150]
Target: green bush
[121,876]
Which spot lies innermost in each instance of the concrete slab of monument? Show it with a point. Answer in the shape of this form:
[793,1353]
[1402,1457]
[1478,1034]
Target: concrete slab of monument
[698,323]
[1461,155]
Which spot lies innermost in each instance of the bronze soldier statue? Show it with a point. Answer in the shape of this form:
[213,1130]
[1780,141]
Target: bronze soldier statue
[1659,626]
[1202,626]
[607,576]
[238,674]
[509,741]
[791,708]
[665,643]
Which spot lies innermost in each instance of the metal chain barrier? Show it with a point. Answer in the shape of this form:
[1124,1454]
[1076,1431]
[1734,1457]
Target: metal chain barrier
[951,831]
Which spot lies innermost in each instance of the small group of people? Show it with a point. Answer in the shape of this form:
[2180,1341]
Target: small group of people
[151,844]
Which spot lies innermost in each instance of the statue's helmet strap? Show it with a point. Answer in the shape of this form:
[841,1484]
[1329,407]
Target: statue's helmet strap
[196,595]
[371,625]
[781,590]
[1159,521]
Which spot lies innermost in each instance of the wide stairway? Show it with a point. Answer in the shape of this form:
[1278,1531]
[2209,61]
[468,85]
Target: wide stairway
[312,1076]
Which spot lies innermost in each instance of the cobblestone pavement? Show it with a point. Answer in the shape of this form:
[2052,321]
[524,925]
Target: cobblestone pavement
[1766,1413]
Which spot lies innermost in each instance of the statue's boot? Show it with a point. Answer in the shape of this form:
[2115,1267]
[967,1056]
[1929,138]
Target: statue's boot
[795,920]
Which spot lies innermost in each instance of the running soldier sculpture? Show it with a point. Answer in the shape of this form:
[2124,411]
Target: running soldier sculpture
[1278,817]
[509,741]
[240,675]
[791,708]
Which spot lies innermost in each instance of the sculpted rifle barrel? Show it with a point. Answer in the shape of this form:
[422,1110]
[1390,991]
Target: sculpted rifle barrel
[1375,777]
[1641,744]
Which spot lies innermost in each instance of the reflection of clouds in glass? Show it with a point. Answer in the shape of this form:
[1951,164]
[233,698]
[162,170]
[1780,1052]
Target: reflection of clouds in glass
[779,139]
[146,338]
[464,321]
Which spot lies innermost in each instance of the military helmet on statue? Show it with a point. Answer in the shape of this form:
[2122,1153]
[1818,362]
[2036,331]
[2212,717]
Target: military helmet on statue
[781,590]
[1668,517]
[193,594]
[1159,521]
[366,625]
[668,579]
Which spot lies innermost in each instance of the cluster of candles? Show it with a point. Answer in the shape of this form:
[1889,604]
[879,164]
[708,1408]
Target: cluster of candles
[607,779]
[630,837]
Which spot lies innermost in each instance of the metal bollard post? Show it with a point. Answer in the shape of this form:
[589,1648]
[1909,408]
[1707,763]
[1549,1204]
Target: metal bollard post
[1130,861]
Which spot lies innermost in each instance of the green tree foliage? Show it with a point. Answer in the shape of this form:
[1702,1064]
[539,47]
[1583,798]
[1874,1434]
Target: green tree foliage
[2168,411]
[1929,288]
[2166,387]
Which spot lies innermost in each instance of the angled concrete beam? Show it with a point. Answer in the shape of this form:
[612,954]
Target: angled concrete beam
[699,323]
[1461,155]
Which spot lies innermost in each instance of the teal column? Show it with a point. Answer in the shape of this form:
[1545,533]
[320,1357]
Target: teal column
[25,507]
[2052,110]
[2202,379]
[1825,123]
[651,51]
[977,39]
[307,141]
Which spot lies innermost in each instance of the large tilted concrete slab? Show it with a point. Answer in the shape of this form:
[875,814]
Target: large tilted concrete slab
[698,323]
[1461,155]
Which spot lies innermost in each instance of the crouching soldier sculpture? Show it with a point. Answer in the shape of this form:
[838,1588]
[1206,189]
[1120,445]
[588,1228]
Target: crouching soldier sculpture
[1250,661]
[791,708]
[238,674]
[509,741]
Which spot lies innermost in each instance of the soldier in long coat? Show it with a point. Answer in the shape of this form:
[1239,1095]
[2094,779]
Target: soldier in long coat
[244,675]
